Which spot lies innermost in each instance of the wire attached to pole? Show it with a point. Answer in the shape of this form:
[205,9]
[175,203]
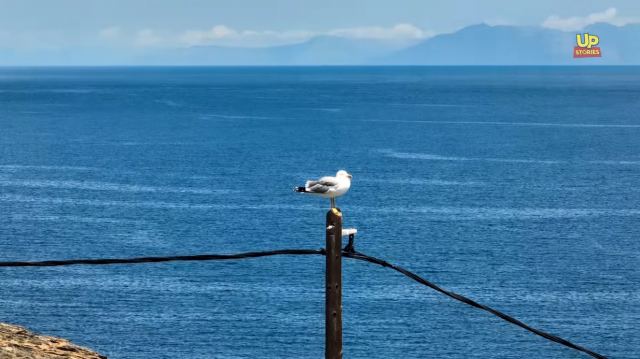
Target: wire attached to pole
[348,252]
[139,260]
[471,302]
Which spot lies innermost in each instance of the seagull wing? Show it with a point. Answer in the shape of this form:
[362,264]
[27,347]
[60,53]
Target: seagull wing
[323,185]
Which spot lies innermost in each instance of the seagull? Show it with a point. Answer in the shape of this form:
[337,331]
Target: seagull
[328,186]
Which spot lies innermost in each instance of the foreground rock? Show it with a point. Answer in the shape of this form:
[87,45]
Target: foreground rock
[19,343]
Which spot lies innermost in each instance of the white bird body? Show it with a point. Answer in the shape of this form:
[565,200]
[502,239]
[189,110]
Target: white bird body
[334,186]
[328,186]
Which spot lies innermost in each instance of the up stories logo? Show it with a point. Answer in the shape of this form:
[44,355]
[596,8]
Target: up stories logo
[587,46]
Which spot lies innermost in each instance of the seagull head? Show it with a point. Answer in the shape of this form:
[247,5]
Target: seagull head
[343,173]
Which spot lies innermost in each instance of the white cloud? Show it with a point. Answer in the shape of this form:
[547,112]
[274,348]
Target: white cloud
[397,32]
[227,36]
[579,22]
[224,35]
[147,38]
[110,33]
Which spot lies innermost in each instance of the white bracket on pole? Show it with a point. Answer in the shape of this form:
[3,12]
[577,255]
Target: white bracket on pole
[346,232]
[351,233]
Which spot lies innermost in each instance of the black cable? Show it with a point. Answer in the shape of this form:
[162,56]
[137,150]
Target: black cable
[201,257]
[473,303]
[347,252]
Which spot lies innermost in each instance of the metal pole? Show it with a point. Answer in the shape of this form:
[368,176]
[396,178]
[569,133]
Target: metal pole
[333,294]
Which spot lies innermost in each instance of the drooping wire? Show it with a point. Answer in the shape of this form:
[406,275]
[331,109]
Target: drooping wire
[348,252]
[138,260]
[471,302]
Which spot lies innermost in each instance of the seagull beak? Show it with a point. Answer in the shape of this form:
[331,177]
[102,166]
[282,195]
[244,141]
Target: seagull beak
[350,176]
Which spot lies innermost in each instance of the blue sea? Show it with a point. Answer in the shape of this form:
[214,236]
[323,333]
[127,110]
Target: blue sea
[516,186]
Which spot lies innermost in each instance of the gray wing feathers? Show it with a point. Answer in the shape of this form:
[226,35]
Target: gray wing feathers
[319,188]
[323,185]
[328,181]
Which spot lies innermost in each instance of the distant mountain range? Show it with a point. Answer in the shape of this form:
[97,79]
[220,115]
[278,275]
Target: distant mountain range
[473,45]
[322,50]
[512,45]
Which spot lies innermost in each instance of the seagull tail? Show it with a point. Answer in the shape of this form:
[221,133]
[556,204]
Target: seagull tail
[299,189]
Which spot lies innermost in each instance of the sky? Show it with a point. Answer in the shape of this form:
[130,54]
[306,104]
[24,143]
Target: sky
[138,24]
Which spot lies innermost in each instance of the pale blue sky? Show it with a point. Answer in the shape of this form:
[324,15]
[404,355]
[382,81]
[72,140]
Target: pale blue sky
[36,24]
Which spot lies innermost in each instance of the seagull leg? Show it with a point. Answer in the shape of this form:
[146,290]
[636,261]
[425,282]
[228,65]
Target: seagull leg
[333,202]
